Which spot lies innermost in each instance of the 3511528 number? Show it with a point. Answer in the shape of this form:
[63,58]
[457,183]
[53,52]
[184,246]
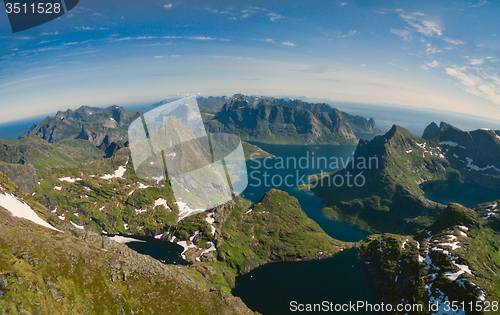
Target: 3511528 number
[41,8]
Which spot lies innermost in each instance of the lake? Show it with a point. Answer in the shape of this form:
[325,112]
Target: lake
[468,195]
[165,252]
[269,289]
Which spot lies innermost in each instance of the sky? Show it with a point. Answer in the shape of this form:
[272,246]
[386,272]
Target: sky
[440,55]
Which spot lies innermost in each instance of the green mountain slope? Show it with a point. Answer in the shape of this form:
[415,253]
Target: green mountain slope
[47,272]
[106,196]
[455,259]
[390,199]
[248,235]
[43,155]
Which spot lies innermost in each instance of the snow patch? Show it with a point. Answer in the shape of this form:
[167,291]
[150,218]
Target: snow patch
[21,209]
[69,179]
[477,168]
[185,210]
[124,239]
[452,144]
[117,174]
[462,269]
[77,226]
[161,202]
[210,220]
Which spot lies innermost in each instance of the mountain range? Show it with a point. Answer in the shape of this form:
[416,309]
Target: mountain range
[214,104]
[279,124]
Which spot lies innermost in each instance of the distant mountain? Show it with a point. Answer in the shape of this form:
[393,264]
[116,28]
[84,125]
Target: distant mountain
[279,124]
[104,127]
[357,123]
[475,153]
[391,199]
[43,155]
[213,104]
[455,259]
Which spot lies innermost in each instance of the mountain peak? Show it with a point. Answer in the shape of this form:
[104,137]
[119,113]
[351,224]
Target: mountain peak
[431,131]
[455,214]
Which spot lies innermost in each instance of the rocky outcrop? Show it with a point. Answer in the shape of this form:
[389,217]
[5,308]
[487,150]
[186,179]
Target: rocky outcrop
[24,176]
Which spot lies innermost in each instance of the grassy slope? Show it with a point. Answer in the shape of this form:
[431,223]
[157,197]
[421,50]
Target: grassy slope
[43,155]
[55,273]
[400,275]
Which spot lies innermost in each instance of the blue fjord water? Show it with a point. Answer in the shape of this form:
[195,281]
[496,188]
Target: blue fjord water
[446,191]
[269,289]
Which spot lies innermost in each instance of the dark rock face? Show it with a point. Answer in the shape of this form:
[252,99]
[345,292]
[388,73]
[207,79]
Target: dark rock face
[24,176]
[357,123]
[474,153]
[430,131]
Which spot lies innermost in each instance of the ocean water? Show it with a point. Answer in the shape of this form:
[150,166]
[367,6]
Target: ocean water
[415,119]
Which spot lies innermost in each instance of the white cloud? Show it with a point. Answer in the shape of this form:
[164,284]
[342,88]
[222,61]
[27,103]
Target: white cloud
[132,38]
[267,40]
[343,4]
[248,12]
[86,28]
[476,61]
[274,16]
[403,33]
[362,65]
[432,50]
[168,6]
[418,13]
[50,33]
[453,41]
[158,56]
[202,38]
[425,27]
[350,33]
[487,87]
[288,44]
[433,64]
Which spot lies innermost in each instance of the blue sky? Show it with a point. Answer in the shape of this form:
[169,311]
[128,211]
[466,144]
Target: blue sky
[430,54]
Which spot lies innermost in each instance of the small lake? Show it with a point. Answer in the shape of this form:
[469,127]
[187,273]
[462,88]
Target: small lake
[468,195]
[165,252]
